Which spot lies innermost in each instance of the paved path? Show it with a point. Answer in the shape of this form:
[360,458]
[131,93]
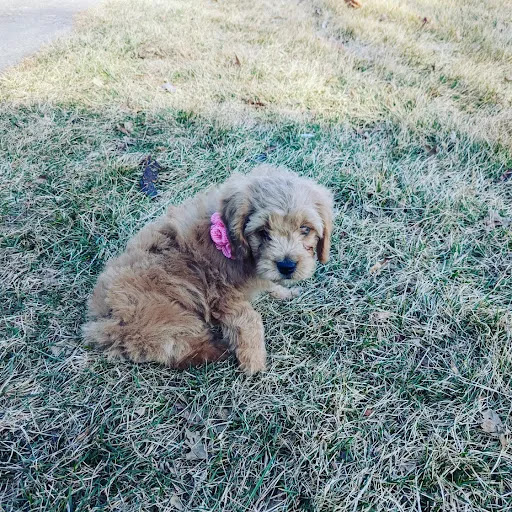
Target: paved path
[25,25]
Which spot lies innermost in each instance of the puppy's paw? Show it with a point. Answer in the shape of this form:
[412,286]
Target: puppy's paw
[282,293]
[253,361]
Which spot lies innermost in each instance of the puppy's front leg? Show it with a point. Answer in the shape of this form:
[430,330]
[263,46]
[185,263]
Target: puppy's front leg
[282,293]
[243,328]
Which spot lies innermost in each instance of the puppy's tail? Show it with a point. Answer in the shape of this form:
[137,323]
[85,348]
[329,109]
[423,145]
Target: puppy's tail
[105,334]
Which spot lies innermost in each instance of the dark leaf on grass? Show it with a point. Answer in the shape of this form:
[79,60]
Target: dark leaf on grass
[431,150]
[262,157]
[424,21]
[149,176]
[254,103]
[506,175]
[237,61]
[355,4]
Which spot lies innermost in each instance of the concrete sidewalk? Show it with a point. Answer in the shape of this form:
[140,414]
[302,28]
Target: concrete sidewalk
[25,25]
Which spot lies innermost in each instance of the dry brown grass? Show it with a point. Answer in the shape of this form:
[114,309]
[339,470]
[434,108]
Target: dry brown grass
[377,380]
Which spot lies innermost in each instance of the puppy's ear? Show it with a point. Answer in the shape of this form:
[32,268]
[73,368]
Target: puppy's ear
[235,211]
[324,206]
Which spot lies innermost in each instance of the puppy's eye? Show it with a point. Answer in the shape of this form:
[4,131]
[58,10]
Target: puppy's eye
[305,230]
[265,234]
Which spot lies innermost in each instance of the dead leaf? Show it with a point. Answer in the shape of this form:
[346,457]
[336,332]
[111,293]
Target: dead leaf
[431,150]
[97,82]
[149,176]
[506,175]
[254,103]
[237,61]
[381,316]
[176,502]
[58,348]
[495,220]
[80,437]
[168,87]
[454,368]
[424,21]
[355,4]
[375,269]
[149,52]
[126,127]
[492,424]
[194,418]
[224,413]
[368,412]
[197,449]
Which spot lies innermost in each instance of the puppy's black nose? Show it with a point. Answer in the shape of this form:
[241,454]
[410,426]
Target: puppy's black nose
[286,267]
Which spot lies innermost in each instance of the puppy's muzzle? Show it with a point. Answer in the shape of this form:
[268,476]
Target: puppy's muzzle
[286,267]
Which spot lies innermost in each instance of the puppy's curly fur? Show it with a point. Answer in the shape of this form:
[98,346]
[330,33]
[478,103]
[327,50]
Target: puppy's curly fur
[174,298]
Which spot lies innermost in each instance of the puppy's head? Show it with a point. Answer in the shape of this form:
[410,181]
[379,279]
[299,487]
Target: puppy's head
[280,220]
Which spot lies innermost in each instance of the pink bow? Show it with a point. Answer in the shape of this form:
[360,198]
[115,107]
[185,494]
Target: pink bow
[219,235]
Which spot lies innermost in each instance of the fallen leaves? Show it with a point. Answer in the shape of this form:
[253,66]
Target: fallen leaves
[495,220]
[175,502]
[196,447]
[377,267]
[149,176]
[381,316]
[140,411]
[431,150]
[150,52]
[492,424]
[168,87]
[506,176]
[237,61]
[126,127]
[254,103]
[354,4]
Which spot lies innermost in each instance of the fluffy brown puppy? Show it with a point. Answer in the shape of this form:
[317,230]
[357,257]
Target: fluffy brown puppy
[178,298]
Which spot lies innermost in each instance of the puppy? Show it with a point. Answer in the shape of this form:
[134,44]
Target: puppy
[180,294]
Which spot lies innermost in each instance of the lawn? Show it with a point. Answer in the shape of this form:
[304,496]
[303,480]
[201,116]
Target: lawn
[380,372]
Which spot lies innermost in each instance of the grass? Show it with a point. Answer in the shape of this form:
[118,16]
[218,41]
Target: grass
[377,379]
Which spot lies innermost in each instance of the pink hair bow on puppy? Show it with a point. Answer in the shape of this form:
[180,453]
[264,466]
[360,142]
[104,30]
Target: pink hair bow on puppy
[219,235]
